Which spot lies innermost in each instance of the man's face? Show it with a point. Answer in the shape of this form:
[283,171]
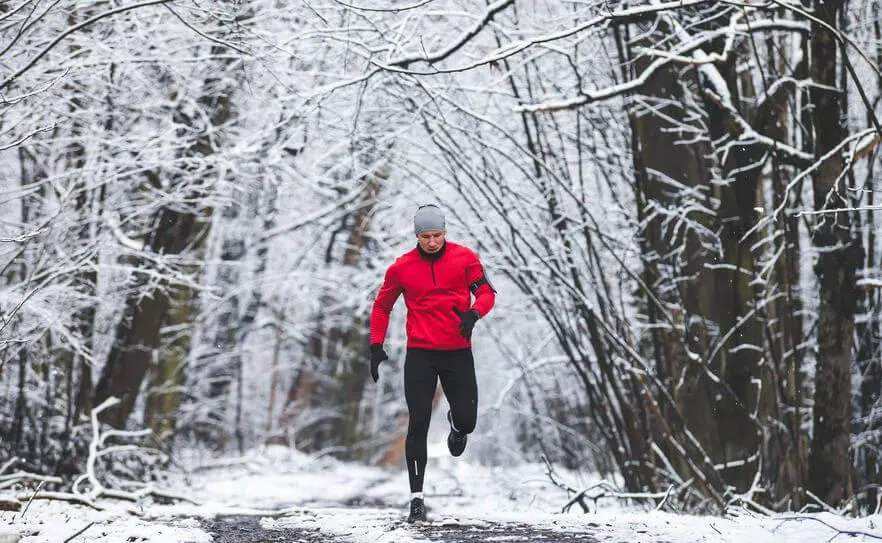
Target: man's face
[431,240]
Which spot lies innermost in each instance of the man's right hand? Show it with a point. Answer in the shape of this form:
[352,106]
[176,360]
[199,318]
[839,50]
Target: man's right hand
[377,356]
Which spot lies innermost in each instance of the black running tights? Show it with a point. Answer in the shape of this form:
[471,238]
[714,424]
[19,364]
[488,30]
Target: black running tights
[422,370]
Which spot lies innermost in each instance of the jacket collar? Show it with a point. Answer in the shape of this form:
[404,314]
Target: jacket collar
[432,257]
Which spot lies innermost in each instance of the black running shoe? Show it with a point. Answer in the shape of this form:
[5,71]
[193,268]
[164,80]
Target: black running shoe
[417,511]
[456,441]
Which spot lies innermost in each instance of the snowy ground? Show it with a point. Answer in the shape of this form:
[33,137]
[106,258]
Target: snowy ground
[291,497]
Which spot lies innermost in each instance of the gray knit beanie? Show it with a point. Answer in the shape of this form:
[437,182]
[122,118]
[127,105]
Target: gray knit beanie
[428,217]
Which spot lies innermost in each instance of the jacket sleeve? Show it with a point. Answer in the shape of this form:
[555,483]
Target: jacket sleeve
[479,284]
[383,304]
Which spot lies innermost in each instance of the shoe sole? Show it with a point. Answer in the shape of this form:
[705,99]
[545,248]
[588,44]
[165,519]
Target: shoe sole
[450,446]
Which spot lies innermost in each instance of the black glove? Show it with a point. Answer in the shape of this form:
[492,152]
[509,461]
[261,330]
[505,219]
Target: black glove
[377,356]
[468,320]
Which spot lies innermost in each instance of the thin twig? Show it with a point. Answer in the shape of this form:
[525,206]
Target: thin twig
[86,527]
[664,499]
[9,463]
[36,491]
[820,502]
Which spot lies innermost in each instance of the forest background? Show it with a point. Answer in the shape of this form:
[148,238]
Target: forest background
[675,201]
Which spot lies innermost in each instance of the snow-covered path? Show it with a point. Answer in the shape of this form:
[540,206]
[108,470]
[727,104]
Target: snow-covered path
[331,525]
[385,525]
[280,495]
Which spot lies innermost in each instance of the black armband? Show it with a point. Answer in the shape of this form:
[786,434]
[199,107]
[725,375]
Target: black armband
[484,280]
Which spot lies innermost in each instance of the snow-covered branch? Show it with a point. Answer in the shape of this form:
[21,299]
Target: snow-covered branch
[75,28]
[402,63]
[595,492]
[622,16]
[99,449]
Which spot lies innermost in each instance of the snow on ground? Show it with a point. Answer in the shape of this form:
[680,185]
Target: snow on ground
[56,522]
[286,489]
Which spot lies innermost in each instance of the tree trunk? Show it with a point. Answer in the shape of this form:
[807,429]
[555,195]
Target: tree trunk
[839,254]
[716,294]
[167,375]
[784,448]
[137,335]
[335,349]
[869,334]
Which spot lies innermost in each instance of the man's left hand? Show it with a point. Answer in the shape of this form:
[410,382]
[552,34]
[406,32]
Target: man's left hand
[467,321]
[378,354]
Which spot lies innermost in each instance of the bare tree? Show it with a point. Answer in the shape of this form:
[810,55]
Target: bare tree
[727,104]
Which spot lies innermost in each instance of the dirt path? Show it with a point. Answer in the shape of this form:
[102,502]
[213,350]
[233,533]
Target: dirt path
[246,529]
[508,532]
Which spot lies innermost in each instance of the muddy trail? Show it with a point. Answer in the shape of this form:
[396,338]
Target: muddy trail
[250,529]
[247,529]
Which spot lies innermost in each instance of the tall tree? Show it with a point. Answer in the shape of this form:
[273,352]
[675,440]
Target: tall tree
[839,255]
[175,229]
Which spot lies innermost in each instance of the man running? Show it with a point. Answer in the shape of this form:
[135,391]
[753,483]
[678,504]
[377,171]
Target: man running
[438,279]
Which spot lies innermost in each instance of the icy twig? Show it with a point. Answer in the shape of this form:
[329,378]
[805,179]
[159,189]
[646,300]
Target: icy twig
[664,499]
[748,502]
[606,490]
[8,464]
[746,498]
[7,481]
[820,502]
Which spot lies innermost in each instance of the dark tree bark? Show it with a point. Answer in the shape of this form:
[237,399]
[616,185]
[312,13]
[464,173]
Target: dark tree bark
[137,335]
[332,377]
[175,229]
[839,254]
[717,296]
[869,333]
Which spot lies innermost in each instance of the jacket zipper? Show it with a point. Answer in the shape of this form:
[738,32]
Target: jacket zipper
[433,273]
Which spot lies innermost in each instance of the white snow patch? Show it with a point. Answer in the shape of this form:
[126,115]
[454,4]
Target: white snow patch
[286,489]
[56,522]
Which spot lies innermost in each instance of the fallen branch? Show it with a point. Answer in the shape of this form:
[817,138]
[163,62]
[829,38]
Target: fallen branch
[12,479]
[603,489]
[67,497]
[579,498]
[852,533]
[99,449]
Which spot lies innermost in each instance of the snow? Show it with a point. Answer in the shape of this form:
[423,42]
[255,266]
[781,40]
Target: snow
[56,522]
[286,489]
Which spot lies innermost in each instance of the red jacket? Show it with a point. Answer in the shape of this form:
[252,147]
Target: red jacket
[432,287]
